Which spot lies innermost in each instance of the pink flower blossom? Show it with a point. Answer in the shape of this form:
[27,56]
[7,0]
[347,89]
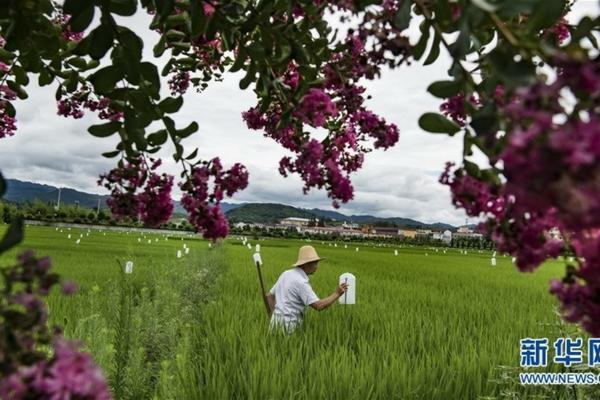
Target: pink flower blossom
[316,106]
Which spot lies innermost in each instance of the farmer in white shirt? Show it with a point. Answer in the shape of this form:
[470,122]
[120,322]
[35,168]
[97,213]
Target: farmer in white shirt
[292,292]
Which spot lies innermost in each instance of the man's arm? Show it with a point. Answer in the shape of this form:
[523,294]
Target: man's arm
[322,304]
[271,301]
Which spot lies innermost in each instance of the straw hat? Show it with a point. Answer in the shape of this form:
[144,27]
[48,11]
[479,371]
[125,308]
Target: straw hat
[307,254]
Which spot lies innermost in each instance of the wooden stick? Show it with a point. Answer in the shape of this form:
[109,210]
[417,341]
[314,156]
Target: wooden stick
[262,289]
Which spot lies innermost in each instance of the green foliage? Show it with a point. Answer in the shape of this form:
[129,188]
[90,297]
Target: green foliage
[436,123]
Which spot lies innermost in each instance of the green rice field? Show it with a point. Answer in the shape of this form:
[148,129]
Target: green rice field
[427,324]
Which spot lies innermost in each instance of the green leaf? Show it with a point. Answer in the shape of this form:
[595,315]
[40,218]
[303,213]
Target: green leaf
[171,104]
[160,46]
[105,79]
[187,131]
[421,45]
[512,8]
[583,28]
[13,236]
[78,62]
[445,89]
[192,155]
[104,130]
[239,60]
[150,74]
[125,8]
[197,17]
[436,123]
[434,52]
[545,14]
[513,73]
[21,93]
[97,43]
[75,7]
[462,44]
[249,78]
[157,138]
[80,21]
[111,154]
[472,169]
[402,18]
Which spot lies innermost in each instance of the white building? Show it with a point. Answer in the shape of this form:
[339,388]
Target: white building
[447,237]
[295,222]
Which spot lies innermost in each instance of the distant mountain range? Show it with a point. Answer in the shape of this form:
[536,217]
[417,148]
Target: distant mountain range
[274,212]
[22,191]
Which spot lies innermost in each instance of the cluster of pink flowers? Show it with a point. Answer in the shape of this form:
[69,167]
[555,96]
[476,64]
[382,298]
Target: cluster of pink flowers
[208,54]
[561,30]
[455,107]
[315,107]
[202,198]
[73,104]
[551,162]
[25,370]
[179,82]
[7,121]
[70,374]
[521,233]
[337,105]
[152,205]
[63,21]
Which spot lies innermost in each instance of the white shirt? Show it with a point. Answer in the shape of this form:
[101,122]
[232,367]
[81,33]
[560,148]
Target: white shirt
[292,294]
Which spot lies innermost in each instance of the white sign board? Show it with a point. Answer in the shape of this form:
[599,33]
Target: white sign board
[257,247]
[129,267]
[350,296]
[257,258]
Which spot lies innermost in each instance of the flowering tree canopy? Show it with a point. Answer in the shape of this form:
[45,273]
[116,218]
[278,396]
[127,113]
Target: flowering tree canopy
[523,88]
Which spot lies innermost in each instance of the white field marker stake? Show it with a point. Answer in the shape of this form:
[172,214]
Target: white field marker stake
[357,249]
[395,252]
[249,247]
[178,253]
[493,261]
[257,248]
[69,236]
[209,245]
[187,250]
[129,267]
[78,240]
[350,295]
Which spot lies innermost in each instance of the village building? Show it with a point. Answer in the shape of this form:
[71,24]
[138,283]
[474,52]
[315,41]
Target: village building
[294,222]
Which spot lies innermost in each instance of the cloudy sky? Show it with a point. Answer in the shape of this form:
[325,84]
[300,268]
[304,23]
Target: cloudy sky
[401,181]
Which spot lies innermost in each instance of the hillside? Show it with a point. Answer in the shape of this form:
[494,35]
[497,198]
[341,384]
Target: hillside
[266,213]
[21,192]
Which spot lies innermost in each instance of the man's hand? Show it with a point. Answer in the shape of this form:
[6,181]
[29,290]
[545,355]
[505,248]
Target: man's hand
[322,304]
[341,289]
